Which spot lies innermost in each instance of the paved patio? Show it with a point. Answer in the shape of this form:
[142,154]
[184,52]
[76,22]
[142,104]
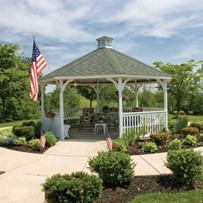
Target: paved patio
[25,172]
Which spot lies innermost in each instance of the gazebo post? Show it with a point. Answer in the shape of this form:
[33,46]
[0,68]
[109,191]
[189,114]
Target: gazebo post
[61,109]
[120,90]
[164,86]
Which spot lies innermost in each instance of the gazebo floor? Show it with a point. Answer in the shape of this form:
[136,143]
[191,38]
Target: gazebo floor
[87,133]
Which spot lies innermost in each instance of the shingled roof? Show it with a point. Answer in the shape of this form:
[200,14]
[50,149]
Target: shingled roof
[105,62]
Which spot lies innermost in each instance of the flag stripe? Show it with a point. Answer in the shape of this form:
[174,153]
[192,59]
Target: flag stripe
[38,65]
[42,140]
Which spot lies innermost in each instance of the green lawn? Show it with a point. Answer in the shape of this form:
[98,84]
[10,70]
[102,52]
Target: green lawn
[195,196]
[191,118]
[14,123]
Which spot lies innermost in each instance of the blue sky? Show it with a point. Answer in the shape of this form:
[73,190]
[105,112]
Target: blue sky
[170,31]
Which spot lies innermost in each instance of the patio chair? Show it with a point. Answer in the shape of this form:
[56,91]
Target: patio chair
[136,109]
[86,118]
[112,120]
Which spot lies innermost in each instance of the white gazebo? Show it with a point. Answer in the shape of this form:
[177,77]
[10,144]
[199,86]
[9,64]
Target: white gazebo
[102,67]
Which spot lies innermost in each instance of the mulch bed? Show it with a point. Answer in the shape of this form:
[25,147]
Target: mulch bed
[141,185]
[24,148]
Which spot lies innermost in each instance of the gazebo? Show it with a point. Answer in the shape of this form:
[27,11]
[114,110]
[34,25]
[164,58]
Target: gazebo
[98,69]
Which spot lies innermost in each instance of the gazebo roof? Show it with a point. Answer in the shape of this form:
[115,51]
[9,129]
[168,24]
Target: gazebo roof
[105,62]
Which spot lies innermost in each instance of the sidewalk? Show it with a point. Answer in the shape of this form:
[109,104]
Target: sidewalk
[25,172]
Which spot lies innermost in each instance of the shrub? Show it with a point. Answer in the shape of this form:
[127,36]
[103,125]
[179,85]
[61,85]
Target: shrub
[190,131]
[196,125]
[34,144]
[20,141]
[26,131]
[175,144]
[50,139]
[131,136]
[78,187]
[119,145]
[114,168]
[29,123]
[149,147]
[186,165]
[200,138]
[159,138]
[7,141]
[181,123]
[190,140]
[37,129]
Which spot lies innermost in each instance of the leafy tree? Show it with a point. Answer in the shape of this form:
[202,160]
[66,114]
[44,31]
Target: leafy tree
[185,83]
[87,92]
[13,77]
[71,99]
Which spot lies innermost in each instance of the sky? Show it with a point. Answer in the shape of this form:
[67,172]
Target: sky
[170,31]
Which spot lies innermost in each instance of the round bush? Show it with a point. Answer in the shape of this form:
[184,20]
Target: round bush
[160,138]
[26,131]
[190,140]
[20,141]
[50,139]
[149,147]
[186,165]
[78,187]
[34,144]
[114,168]
[175,144]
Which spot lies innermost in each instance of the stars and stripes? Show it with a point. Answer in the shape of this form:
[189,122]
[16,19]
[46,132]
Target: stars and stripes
[38,65]
[108,140]
[42,140]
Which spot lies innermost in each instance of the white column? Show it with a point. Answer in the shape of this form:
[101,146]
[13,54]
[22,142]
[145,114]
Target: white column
[165,102]
[164,86]
[120,90]
[61,110]
[136,95]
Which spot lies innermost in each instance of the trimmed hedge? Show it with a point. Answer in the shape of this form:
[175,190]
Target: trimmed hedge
[160,138]
[25,131]
[190,131]
[78,187]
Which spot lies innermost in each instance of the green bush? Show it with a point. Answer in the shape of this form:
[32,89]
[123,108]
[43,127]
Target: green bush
[159,138]
[186,165]
[29,123]
[26,131]
[34,144]
[7,141]
[190,131]
[200,138]
[50,139]
[149,147]
[190,140]
[78,187]
[196,125]
[20,141]
[114,168]
[181,123]
[131,136]
[175,144]
[119,145]
[37,129]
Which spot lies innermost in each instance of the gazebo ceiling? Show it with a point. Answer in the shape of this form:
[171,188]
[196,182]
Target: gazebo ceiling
[103,63]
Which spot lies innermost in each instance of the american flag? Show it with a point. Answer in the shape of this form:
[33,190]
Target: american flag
[42,140]
[108,140]
[38,65]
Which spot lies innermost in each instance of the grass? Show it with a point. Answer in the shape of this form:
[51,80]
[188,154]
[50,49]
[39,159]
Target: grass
[191,118]
[14,123]
[195,196]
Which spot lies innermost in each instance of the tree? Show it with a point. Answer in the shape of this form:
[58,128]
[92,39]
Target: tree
[185,83]
[13,75]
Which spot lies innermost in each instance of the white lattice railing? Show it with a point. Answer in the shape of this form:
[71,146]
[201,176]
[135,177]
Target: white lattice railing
[144,123]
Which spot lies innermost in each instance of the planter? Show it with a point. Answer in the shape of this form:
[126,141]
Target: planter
[49,114]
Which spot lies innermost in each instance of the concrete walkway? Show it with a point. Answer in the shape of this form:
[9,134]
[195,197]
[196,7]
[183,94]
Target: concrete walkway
[25,172]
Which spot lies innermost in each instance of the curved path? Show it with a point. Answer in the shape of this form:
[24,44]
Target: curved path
[25,172]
